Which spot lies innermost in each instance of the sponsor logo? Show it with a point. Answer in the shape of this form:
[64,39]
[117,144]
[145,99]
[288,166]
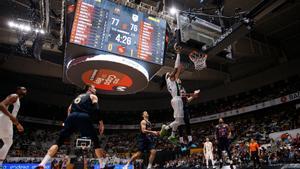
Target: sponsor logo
[135,17]
[223,36]
[106,79]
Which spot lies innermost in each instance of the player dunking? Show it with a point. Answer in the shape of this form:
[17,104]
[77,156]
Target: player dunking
[79,118]
[208,152]
[7,120]
[145,141]
[223,134]
[171,80]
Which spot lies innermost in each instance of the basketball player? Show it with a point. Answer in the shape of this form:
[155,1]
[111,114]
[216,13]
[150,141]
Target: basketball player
[208,152]
[171,80]
[7,119]
[186,98]
[80,114]
[223,134]
[145,141]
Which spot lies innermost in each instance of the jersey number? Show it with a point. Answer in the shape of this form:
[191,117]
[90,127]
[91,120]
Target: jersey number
[77,100]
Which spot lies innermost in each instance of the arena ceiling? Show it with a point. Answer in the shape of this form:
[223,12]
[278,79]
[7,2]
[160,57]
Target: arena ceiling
[273,39]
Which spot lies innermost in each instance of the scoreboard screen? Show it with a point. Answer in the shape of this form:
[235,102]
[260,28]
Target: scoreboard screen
[110,27]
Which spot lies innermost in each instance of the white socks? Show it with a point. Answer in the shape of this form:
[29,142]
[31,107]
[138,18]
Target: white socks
[190,138]
[45,160]
[177,61]
[181,140]
[173,133]
[102,162]
[126,166]
[149,166]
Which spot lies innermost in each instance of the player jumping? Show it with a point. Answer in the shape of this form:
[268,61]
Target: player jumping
[171,80]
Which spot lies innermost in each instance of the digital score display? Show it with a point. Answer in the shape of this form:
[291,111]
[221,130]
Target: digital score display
[110,27]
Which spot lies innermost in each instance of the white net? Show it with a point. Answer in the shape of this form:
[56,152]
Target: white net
[198,59]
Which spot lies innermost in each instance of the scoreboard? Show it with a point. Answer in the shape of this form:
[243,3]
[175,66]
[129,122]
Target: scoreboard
[110,27]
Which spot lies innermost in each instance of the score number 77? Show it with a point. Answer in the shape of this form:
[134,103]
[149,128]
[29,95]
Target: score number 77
[115,22]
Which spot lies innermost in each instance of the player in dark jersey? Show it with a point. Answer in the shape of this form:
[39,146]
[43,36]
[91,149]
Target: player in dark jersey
[186,98]
[145,141]
[79,118]
[223,134]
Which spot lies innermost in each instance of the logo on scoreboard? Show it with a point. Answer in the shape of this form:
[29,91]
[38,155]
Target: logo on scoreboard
[106,79]
[135,17]
[117,11]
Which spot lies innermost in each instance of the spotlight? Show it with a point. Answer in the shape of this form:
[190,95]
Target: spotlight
[173,11]
[25,27]
[11,24]
[21,27]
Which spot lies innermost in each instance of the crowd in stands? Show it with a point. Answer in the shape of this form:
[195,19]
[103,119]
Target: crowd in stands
[258,125]
[248,98]
[35,141]
[257,95]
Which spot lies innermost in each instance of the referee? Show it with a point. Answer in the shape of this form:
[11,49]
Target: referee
[254,151]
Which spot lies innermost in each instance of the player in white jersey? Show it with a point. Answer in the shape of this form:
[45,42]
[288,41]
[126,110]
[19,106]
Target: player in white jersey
[7,119]
[208,152]
[170,79]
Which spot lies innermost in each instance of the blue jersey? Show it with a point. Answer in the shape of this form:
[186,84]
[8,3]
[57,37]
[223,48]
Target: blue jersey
[222,131]
[83,103]
[148,127]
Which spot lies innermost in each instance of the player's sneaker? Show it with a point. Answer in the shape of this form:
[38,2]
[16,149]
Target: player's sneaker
[221,164]
[173,140]
[192,145]
[183,148]
[231,164]
[163,132]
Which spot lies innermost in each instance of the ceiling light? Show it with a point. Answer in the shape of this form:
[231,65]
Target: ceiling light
[11,24]
[173,11]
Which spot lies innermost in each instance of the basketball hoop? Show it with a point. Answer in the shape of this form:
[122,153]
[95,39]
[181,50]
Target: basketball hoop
[198,59]
[83,143]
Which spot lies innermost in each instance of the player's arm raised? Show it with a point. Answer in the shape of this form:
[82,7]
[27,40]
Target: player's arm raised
[177,67]
[192,96]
